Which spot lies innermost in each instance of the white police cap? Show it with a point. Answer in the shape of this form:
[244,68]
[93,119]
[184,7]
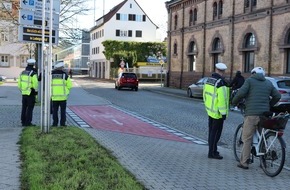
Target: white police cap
[31,61]
[221,66]
[59,65]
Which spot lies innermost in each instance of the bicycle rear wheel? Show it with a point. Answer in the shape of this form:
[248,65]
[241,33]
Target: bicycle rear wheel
[238,143]
[273,161]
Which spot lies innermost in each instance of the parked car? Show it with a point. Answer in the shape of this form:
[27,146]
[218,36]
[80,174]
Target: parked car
[127,80]
[195,90]
[2,78]
[282,84]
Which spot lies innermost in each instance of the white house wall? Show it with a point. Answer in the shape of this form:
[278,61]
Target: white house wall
[148,35]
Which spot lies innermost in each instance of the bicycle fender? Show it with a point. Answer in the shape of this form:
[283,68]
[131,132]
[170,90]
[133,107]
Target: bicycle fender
[283,142]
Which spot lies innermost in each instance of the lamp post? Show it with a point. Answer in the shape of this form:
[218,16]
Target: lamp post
[161,62]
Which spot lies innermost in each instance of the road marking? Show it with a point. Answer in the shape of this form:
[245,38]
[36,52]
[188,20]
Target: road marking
[117,122]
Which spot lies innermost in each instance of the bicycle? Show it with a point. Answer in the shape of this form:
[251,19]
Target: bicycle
[268,143]
[240,105]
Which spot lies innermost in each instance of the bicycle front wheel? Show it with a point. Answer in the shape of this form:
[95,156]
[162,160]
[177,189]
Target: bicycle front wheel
[272,161]
[238,143]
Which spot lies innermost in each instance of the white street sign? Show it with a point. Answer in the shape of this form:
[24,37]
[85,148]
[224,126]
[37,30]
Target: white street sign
[37,5]
[34,18]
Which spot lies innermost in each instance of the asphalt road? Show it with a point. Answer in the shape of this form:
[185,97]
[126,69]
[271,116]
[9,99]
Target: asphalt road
[176,111]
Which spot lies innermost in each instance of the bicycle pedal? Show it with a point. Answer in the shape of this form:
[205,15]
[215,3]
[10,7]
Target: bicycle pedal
[250,161]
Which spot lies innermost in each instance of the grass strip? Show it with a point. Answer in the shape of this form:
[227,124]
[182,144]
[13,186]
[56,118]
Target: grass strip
[69,158]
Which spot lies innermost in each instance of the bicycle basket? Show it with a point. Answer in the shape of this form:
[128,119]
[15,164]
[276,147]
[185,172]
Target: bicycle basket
[273,123]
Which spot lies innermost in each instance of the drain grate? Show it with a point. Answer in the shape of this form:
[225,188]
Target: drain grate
[3,96]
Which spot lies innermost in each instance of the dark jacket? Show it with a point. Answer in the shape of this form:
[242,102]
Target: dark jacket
[257,92]
[237,82]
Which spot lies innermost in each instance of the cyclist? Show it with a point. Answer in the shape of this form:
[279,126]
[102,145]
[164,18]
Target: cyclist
[236,83]
[256,91]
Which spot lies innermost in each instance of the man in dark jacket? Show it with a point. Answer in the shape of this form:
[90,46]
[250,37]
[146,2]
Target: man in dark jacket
[237,83]
[257,91]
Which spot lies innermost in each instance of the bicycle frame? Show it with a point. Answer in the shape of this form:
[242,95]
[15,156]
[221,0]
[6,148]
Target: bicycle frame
[261,138]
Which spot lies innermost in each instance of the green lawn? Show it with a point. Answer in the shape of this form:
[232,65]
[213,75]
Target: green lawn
[68,158]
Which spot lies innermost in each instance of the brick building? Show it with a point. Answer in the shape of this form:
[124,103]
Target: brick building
[241,33]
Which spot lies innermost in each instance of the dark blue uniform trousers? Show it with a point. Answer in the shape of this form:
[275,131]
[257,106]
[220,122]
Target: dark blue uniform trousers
[28,102]
[55,106]
[215,127]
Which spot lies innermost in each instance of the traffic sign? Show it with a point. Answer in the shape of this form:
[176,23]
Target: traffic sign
[37,5]
[33,34]
[30,17]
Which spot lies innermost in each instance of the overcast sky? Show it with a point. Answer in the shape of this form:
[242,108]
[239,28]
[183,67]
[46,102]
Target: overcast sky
[155,9]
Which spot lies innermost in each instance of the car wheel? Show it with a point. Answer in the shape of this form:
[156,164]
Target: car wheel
[115,86]
[119,88]
[189,93]
[136,88]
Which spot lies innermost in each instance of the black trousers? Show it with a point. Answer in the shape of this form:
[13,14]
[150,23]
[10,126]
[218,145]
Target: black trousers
[28,102]
[55,108]
[215,127]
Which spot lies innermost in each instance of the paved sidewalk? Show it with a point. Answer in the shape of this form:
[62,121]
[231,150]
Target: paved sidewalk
[158,163]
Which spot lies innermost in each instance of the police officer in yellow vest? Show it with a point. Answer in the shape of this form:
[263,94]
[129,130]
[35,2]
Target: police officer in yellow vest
[216,101]
[28,85]
[60,89]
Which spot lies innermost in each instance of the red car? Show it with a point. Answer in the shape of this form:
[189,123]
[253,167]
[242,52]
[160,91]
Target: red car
[127,80]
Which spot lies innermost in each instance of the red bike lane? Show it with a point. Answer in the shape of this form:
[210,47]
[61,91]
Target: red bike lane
[111,119]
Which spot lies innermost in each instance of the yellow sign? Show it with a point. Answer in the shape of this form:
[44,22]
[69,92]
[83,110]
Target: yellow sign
[161,62]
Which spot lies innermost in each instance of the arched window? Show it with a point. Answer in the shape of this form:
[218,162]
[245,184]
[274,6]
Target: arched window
[217,50]
[175,22]
[214,10]
[249,54]
[190,18]
[192,51]
[195,15]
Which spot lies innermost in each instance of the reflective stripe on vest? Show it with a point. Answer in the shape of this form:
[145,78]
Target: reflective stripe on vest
[64,94]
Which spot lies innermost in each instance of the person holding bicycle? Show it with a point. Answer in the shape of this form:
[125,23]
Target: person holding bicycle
[216,101]
[236,83]
[257,91]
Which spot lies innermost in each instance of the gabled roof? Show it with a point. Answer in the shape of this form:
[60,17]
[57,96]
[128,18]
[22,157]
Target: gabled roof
[113,11]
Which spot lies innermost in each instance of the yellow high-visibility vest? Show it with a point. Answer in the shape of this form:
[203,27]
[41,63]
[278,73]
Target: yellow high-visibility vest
[216,98]
[60,87]
[26,81]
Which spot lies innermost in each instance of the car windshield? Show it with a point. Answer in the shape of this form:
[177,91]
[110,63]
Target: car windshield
[284,84]
[129,75]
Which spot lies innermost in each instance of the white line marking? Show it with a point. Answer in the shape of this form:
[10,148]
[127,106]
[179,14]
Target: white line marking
[117,122]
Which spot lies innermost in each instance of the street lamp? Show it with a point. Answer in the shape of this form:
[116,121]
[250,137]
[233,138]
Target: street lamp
[161,62]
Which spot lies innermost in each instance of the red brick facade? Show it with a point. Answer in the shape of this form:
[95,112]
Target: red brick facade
[240,33]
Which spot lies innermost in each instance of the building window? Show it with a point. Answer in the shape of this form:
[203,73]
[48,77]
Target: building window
[118,16]
[175,49]
[4,61]
[139,33]
[132,17]
[144,18]
[190,18]
[117,32]
[217,50]
[214,10]
[4,36]
[23,61]
[249,53]
[192,56]
[220,12]
[175,22]
[195,15]
[250,5]
[130,33]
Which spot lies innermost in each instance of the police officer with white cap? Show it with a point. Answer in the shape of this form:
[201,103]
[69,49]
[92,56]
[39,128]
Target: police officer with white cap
[60,89]
[216,101]
[28,85]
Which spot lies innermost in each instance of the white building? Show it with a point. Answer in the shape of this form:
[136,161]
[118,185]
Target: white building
[13,55]
[125,22]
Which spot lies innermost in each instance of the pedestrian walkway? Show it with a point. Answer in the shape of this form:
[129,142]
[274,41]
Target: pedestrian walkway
[160,157]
